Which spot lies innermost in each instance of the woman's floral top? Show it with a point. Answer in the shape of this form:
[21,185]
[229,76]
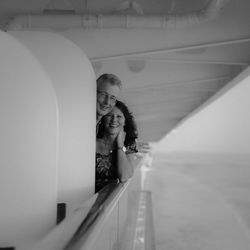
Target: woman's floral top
[106,170]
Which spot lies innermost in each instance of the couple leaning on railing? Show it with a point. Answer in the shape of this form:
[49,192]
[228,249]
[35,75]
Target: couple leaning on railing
[116,134]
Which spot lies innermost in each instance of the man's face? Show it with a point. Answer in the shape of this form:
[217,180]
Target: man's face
[107,95]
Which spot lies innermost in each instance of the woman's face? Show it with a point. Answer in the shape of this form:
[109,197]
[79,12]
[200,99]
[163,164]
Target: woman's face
[114,121]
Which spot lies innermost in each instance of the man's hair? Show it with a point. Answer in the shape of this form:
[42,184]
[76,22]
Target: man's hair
[110,78]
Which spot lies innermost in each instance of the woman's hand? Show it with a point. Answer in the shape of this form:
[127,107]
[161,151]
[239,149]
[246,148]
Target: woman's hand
[121,138]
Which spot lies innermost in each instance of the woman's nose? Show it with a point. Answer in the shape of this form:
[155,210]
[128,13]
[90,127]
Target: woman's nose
[113,118]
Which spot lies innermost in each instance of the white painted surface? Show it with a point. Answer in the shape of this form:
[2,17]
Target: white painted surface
[28,132]
[223,126]
[74,83]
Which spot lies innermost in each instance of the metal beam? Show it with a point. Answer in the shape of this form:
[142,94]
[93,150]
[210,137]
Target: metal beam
[177,101]
[168,50]
[172,102]
[214,62]
[159,117]
[139,88]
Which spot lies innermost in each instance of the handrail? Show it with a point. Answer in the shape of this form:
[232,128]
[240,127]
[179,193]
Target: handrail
[99,212]
[80,229]
[83,227]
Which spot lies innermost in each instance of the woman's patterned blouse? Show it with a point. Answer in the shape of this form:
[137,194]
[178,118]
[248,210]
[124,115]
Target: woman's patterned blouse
[106,168]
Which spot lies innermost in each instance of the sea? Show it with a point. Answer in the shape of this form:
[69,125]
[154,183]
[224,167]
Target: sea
[200,201]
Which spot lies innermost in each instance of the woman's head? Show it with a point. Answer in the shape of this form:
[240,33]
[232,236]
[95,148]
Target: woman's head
[119,118]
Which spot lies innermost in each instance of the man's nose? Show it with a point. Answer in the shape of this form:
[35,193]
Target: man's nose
[107,100]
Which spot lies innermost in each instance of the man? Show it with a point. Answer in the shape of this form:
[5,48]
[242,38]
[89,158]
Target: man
[108,89]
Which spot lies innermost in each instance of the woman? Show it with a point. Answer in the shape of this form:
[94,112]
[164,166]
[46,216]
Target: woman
[114,146]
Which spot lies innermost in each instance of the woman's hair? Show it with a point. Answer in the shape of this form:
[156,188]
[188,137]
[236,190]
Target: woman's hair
[130,127]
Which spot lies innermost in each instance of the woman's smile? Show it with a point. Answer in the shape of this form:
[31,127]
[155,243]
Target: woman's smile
[114,120]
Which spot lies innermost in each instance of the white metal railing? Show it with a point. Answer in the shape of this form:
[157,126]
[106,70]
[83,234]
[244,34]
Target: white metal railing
[106,221]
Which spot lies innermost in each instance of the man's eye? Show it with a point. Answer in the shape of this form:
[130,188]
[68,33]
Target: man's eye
[102,94]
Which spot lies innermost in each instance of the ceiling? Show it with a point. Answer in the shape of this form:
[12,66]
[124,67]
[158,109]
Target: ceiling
[167,72]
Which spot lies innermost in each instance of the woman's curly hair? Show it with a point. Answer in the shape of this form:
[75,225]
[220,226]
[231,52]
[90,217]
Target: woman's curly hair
[130,127]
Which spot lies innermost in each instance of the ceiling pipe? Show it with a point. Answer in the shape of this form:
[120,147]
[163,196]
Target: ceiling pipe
[61,22]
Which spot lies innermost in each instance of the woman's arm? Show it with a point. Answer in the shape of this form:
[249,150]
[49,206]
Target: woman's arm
[125,165]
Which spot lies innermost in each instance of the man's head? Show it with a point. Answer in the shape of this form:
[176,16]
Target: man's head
[108,89]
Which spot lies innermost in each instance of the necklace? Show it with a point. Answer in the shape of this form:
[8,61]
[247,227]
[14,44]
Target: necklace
[108,145]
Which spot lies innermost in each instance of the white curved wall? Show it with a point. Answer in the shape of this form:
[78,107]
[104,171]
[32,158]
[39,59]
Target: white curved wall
[75,86]
[221,127]
[28,114]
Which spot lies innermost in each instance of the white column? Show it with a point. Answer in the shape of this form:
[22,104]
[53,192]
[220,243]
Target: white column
[28,138]
[75,86]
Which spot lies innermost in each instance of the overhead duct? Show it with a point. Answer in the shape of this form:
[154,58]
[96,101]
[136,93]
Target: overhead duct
[61,22]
